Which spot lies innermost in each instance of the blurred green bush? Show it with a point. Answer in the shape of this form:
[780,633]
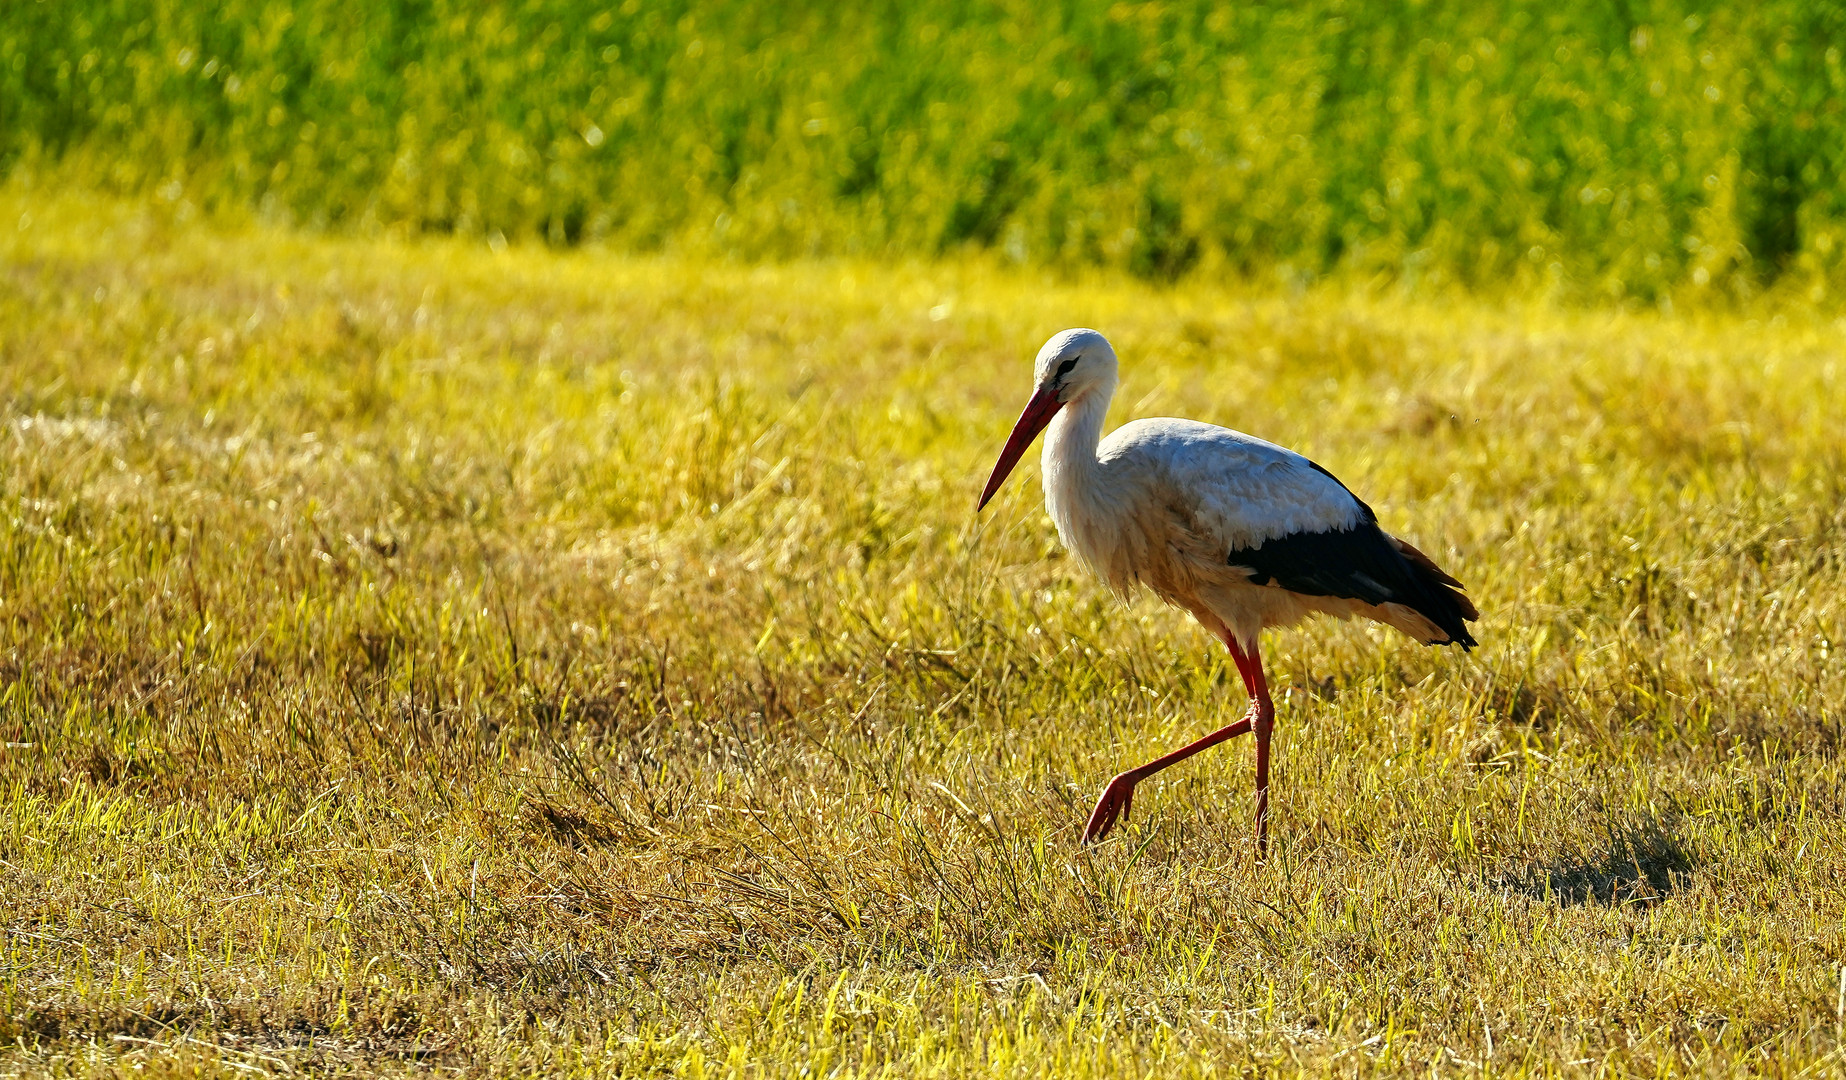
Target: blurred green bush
[1614,147]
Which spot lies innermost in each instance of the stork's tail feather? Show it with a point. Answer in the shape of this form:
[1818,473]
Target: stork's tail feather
[1442,601]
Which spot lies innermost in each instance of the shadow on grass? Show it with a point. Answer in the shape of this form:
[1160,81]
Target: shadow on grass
[1639,863]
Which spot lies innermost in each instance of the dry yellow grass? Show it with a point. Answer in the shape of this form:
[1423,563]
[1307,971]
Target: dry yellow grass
[413,656]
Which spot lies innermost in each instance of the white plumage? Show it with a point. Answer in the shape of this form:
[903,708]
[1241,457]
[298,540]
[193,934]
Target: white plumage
[1242,533]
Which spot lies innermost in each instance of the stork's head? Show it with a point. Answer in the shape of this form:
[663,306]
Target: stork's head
[1073,364]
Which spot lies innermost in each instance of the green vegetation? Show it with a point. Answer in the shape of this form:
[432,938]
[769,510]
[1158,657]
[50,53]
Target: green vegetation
[1628,150]
[414,656]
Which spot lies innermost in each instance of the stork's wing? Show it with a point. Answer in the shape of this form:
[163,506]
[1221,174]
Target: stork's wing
[1279,519]
[1235,491]
[1363,563]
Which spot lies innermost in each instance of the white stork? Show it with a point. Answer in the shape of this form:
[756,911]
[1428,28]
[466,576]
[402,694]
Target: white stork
[1242,533]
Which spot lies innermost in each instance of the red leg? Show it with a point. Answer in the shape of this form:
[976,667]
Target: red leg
[1263,721]
[1118,798]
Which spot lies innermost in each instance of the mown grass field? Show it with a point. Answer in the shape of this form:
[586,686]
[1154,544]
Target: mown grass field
[419,656]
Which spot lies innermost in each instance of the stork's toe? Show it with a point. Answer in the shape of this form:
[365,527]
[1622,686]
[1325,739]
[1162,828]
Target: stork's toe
[1114,804]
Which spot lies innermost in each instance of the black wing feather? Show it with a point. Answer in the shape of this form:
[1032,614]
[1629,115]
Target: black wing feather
[1360,563]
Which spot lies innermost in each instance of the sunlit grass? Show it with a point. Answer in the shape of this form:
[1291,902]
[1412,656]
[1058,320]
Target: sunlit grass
[415,655]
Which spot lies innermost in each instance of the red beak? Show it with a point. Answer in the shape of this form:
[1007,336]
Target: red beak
[1039,411]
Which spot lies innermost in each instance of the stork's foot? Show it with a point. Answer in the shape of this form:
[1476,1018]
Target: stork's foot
[1116,800]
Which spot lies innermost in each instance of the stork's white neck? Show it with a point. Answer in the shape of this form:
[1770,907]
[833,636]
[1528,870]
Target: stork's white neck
[1077,493]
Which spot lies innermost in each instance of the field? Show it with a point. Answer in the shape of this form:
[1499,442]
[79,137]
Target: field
[421,654]
[489,578]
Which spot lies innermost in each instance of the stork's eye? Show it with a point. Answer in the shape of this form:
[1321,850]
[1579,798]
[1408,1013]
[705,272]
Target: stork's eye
[1064,368]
